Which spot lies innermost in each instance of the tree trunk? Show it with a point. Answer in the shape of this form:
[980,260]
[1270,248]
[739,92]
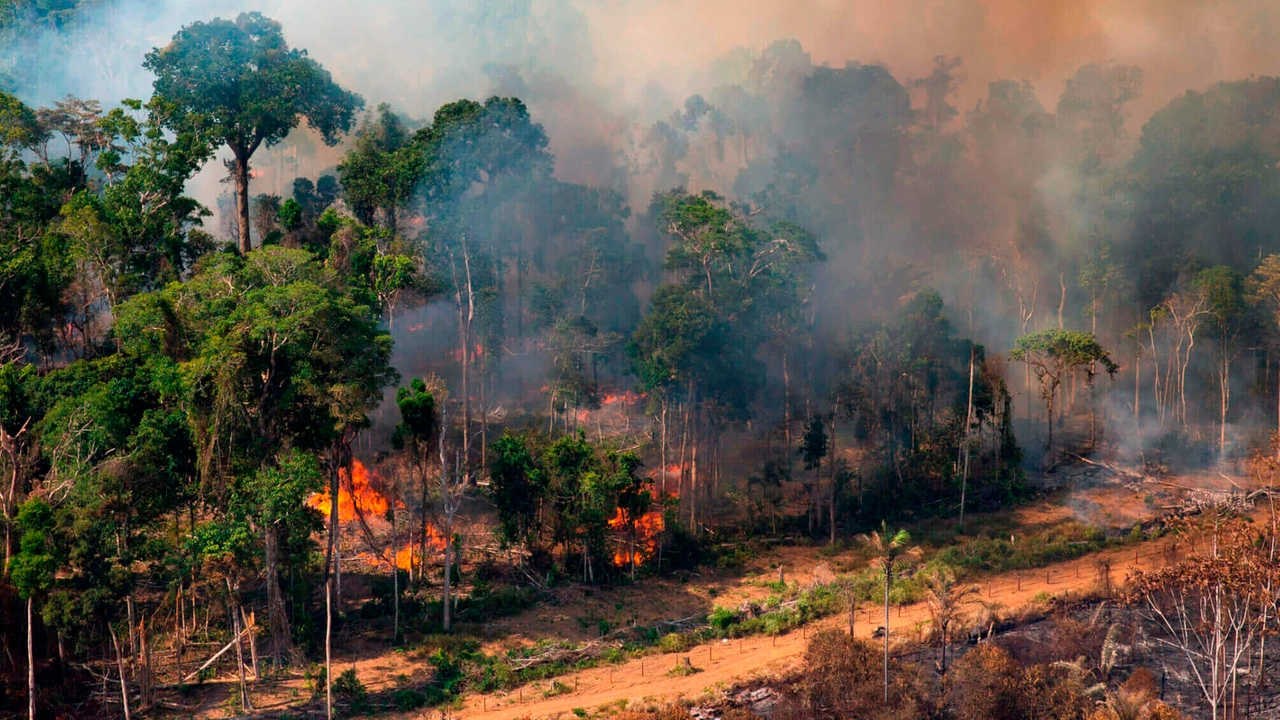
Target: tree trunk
[240,168]
[31,661]
[281,643]
[831,465]
[448,579]
[888,572]
[240,655]
[968,421]
[124,688]
[395,572]
[328,648]
[331,551]
[1225,393]
[1049,448]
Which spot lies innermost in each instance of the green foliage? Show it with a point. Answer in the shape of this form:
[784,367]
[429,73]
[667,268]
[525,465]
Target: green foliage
[238,81]
[348,688]
[33,568]
[417,412]
[382,169]
[518,486]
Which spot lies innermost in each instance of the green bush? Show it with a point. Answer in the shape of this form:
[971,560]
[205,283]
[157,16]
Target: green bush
[348,687]
[721,618]
[408,699]
[674,643]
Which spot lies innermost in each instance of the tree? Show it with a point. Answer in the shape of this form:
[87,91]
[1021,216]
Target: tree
[888,547]
[241,84]
[1223,288]
[382,169]
[518,487]
[1212,608]
[415,433]
[1263,291]
[947,599]
[274,355]
[1053,355]
[634,497]
[33,573]
[813,447]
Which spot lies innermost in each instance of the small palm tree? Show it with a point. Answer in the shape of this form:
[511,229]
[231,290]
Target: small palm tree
[947,600]
[889,548]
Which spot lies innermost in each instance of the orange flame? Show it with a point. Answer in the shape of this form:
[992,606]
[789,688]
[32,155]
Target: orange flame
[353,495]
[648,527]
[627,398]
[416,327]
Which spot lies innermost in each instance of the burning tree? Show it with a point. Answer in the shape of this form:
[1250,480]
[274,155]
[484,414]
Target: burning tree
[634,499]
[418,427]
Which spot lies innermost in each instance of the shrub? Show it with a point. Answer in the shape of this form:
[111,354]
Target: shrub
[348,687]
[674,643]
[408,699]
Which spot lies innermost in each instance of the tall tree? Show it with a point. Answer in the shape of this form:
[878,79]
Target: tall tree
[241,84]
[889,548]
[1053,355]
[1223,288]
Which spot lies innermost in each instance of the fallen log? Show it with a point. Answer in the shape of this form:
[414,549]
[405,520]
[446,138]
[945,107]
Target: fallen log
[216,655]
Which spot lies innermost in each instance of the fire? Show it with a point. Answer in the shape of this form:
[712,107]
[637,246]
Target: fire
[416,327]
[353,495]
[648,527]
[477,351]
[627,398]
[411,555]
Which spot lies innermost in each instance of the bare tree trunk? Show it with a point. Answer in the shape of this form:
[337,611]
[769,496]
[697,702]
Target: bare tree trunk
[968,421]
[466,319]
[240,169]
[328,648]
[331,562]
[1062,299]
[281,643]
[664,444]
[395,571]
[888,572]
[31,661]
[144,640]
[235,626]
[124,688]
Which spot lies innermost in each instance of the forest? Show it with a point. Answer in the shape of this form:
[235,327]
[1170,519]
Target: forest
[437,378]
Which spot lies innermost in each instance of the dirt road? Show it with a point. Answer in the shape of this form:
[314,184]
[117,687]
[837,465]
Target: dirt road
[723,664]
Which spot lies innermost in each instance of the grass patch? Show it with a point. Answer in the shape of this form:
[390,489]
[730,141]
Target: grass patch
[683,670]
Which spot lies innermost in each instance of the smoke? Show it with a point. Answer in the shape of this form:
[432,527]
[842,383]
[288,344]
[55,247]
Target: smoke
[640,95]
[639,59]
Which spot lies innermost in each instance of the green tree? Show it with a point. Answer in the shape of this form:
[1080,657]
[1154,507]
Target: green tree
[414,435]
[34,569]
[274,354]
[518,487]
[888,548]
[241,84]
[1053,355]
[382,169]
[813,447]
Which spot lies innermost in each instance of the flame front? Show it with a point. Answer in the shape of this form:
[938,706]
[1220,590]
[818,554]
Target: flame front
[358,494]
[648,527]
